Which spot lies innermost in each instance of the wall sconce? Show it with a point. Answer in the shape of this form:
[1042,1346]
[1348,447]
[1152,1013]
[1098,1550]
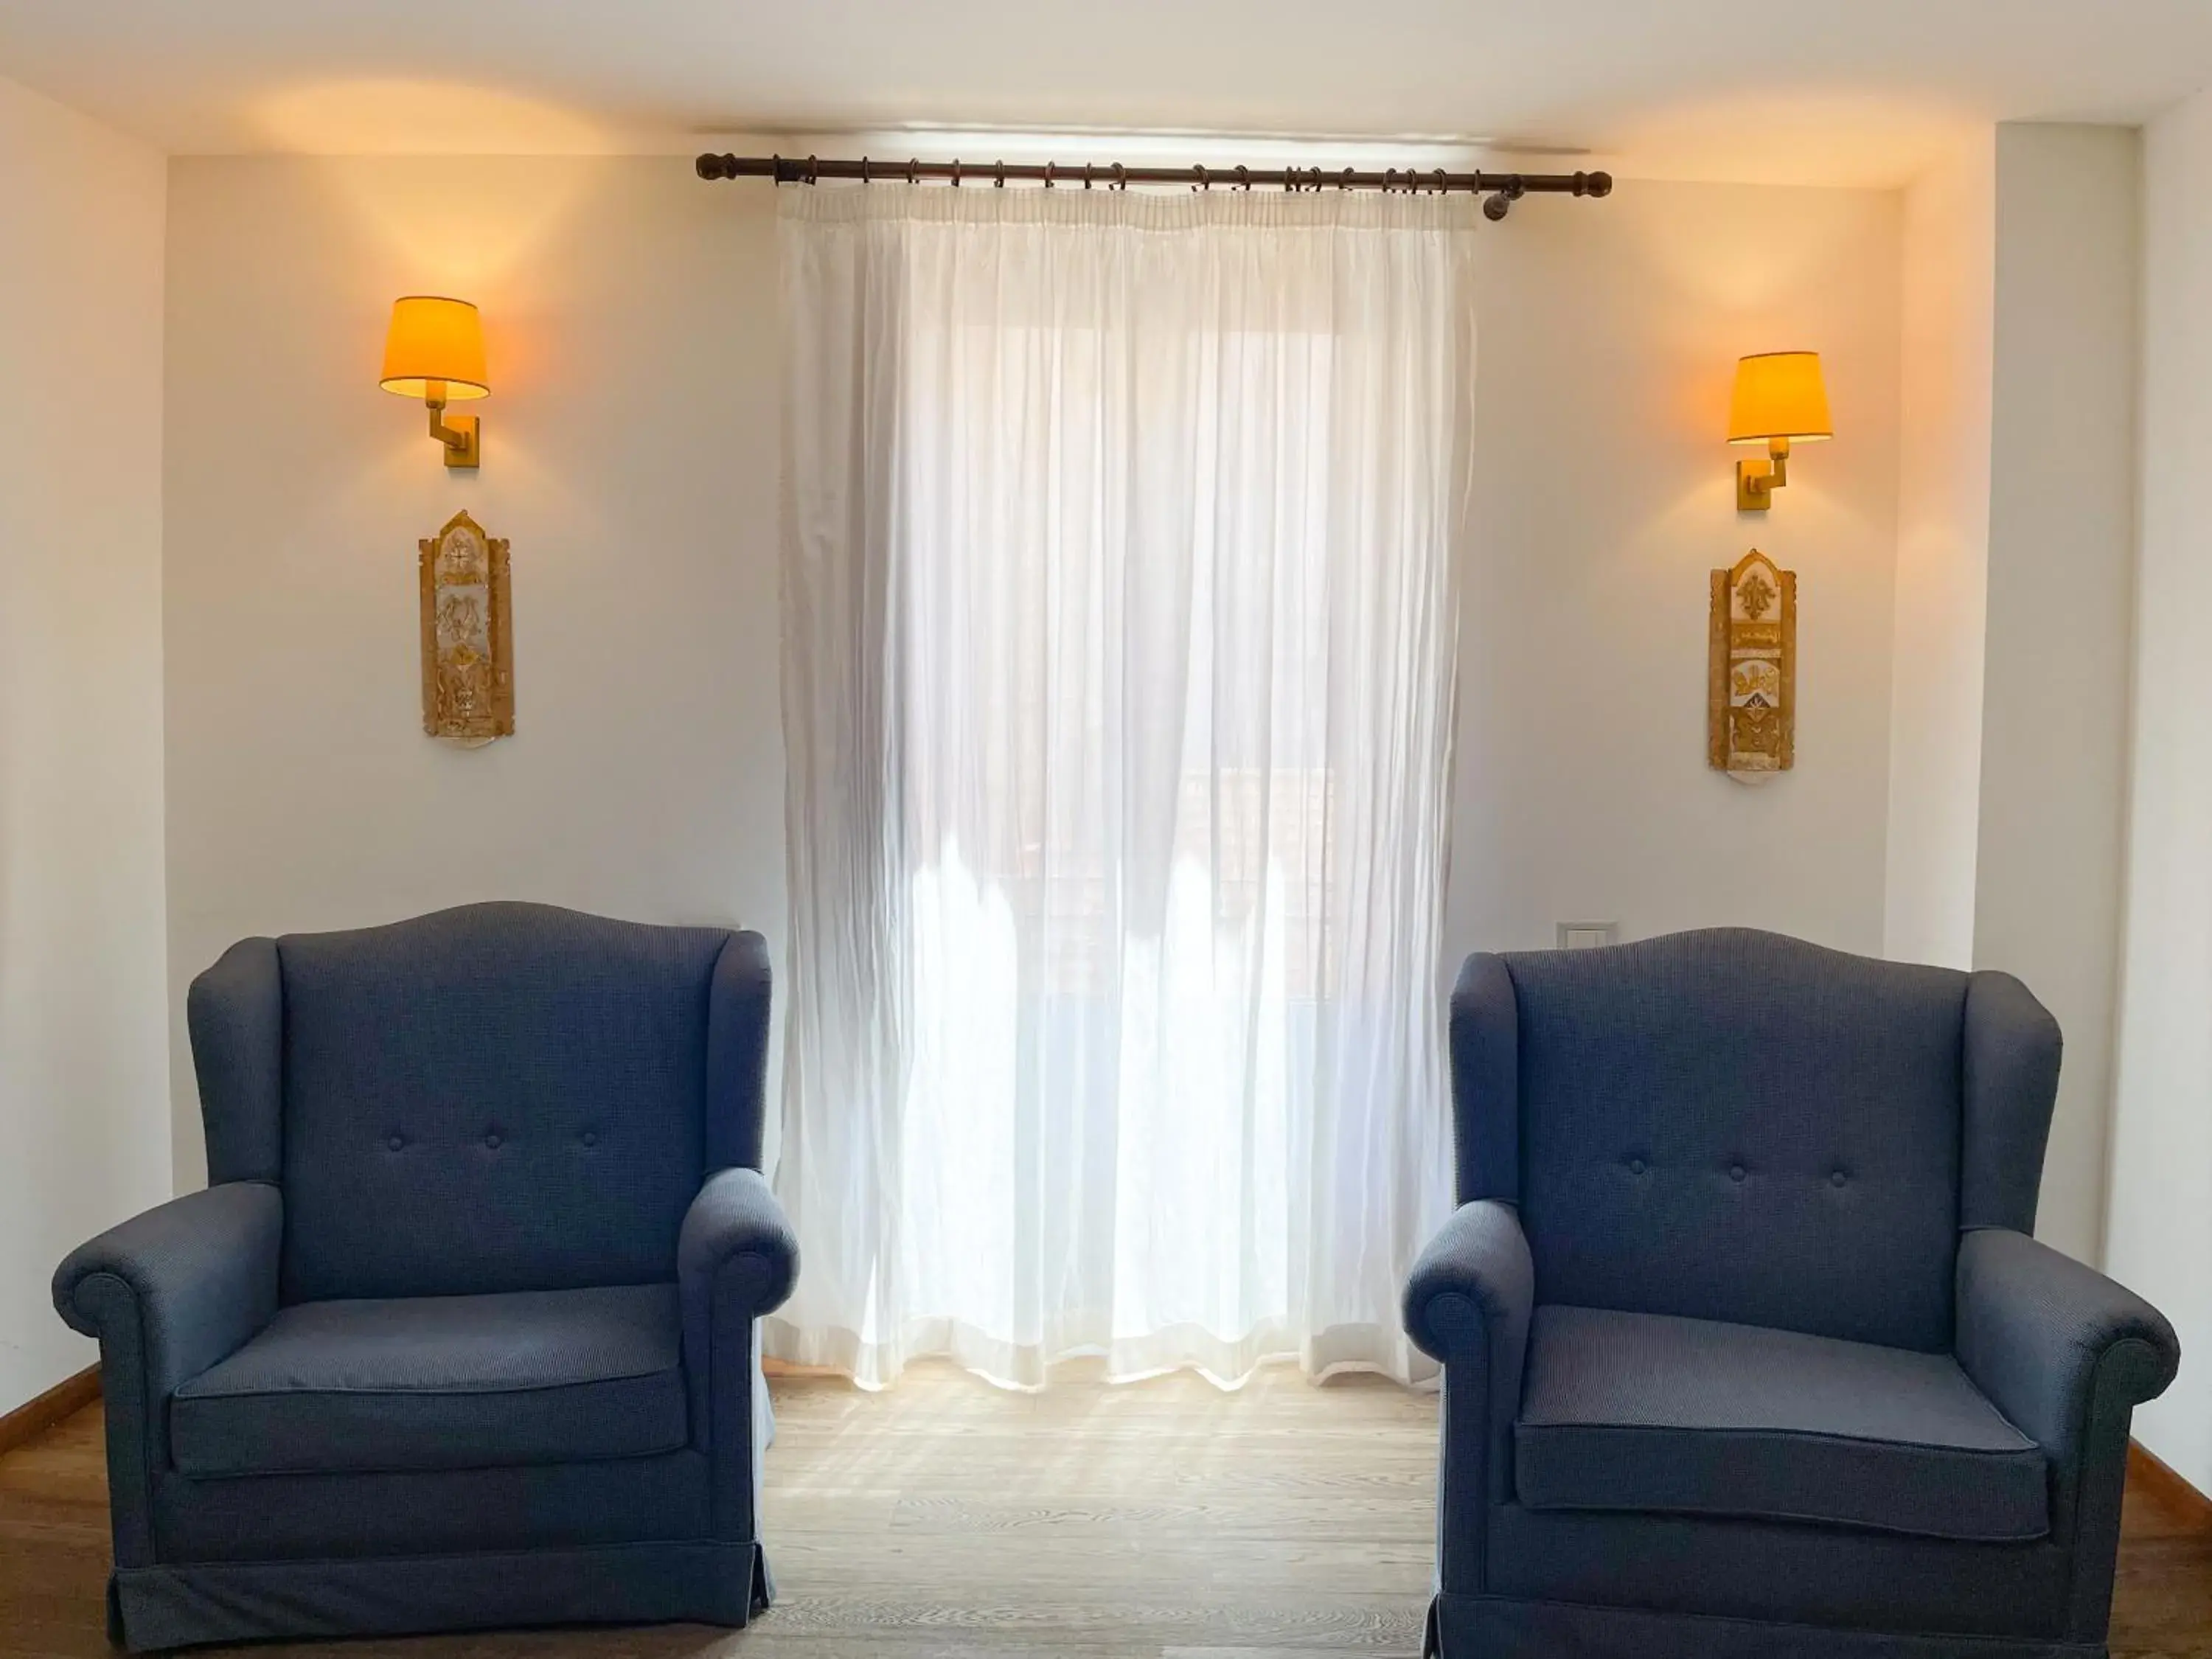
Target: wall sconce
[1779,398]
[434,352]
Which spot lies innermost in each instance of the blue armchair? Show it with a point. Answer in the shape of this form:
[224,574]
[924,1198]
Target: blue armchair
[462,1333]
[1747,1349]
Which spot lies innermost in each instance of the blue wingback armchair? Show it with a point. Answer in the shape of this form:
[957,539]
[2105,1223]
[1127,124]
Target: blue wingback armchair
[1747,1349]
[462,1333]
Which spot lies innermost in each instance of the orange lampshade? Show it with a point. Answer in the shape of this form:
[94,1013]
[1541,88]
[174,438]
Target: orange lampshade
[1779,394]
[434,341]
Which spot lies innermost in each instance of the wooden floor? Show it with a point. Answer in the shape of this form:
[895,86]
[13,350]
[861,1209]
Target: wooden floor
[1165,1520]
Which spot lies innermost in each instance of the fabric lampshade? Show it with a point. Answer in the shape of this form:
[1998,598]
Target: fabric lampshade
[434,341]
[1779,394]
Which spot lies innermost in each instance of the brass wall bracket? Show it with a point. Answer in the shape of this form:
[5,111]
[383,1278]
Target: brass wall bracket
[460,436]
[1757,481]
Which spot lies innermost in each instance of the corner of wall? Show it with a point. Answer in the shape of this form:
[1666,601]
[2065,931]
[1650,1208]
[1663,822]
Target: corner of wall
[1949,282]
[83,1066]
[2158,1236]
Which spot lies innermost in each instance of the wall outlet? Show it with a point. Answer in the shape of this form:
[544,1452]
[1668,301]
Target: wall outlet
[1587,935]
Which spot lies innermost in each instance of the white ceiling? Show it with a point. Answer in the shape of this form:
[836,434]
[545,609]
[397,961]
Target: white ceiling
[1810,91]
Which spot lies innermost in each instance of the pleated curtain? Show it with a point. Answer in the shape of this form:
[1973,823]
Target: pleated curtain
[1120,531]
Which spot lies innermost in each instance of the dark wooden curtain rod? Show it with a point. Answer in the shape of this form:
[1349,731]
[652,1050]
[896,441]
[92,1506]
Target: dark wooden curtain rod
[1500,190]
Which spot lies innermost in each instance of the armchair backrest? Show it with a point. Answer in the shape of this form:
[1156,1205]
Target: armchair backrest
[502,1096]
[1734,1125]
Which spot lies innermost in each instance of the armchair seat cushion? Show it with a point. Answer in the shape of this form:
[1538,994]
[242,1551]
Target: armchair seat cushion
[442,1382]
[1648,1413]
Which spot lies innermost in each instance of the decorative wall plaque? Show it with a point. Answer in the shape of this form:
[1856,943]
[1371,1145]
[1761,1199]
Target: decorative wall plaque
[468,641]
[1751,699]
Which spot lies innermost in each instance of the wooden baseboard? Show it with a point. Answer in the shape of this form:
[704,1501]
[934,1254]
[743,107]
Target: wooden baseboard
[785,1368]
[2151,1477]
[35,1417]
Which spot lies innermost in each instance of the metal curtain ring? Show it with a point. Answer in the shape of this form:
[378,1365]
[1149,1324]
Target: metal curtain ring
[811,166]
[956,173]
[1121,177]
[1000,183]
[864,170]
[1243,177]
[1048,175]
[912,170]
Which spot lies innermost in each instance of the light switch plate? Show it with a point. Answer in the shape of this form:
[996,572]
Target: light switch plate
[1587,935]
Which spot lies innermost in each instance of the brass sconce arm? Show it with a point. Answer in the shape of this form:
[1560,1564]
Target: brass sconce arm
[460,437]
[1756,481]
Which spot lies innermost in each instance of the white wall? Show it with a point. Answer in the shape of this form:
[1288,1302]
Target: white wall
[84,1069]
[2061,613]
[2158,1233]
[629,456]
[1604,495]
[1942,559]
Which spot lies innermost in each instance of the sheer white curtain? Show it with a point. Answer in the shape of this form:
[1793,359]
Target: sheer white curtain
[1118,632]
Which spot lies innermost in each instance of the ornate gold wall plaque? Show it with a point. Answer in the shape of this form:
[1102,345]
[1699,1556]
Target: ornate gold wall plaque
[1751,693]
[468,641]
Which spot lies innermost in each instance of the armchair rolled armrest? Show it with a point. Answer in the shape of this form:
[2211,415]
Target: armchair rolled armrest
[168,1293]
[2067,1355]
[193,1278]
[1467,1303]
[735,1232]
[2038,1330]
[1474,1286]
[735,1259]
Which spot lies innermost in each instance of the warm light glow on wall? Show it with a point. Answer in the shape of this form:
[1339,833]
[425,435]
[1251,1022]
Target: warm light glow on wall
[388,116]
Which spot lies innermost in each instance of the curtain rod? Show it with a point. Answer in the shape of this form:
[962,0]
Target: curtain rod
[1501,190]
